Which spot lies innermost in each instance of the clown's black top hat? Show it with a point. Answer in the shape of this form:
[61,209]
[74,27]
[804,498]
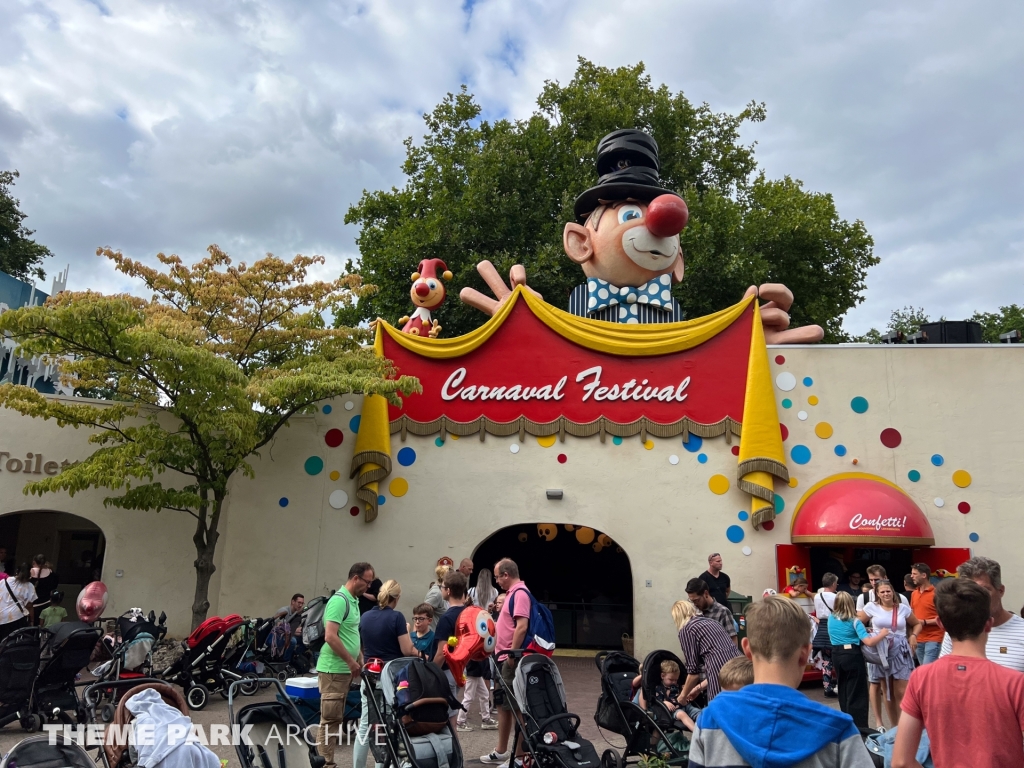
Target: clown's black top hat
[627,167]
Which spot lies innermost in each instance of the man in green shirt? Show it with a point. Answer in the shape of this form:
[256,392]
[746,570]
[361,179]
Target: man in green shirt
[341,658]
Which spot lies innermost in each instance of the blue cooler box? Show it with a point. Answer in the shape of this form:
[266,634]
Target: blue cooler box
[302,687]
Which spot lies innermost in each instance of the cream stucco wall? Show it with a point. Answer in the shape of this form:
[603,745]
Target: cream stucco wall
[960,402]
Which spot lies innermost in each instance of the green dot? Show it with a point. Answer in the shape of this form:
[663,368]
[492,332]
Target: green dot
[787,403]
[617,440]
[314,465]
[914,475]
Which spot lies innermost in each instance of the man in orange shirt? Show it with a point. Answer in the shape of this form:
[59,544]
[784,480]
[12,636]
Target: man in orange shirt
[922,602]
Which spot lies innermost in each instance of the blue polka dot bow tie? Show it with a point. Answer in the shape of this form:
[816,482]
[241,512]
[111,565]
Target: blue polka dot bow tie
[602,294]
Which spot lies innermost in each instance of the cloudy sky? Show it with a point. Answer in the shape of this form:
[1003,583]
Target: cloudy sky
[254,124]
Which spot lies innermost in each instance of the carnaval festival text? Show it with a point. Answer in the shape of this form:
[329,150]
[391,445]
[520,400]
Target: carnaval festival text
[457,388]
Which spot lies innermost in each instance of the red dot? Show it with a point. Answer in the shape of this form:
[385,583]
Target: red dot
[334,437]
[735,450]
[891,438]
[785,432]
[562,458]
[964,507]
[769,525]
[354,511]
[780,359]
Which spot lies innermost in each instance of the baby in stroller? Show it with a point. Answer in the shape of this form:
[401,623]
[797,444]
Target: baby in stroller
[667,693]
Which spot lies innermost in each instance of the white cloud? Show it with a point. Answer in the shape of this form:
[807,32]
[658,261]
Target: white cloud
[255,125]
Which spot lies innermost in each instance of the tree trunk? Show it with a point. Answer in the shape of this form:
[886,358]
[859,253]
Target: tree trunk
[205,539]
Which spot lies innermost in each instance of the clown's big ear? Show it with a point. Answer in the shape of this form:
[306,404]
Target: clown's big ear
[577,242]
[678,268]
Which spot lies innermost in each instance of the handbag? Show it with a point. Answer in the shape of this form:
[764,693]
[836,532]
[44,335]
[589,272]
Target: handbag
[877,654]
[822,640]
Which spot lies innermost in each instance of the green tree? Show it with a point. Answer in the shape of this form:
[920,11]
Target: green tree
[20,255]
[906,321]
[1007,319]
[504,190]
[203,375]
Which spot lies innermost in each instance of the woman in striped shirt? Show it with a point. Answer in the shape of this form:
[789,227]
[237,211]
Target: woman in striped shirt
[705,644]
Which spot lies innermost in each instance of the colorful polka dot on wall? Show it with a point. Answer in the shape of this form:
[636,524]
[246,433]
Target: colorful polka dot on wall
[974,537]
[335,474]
[314,465]
[787,403]
[768,526]
[547,441]
[649,445]
[673,459]
[913,475]
[940,502]
[702,458]
[859,405]
[398,487]
[780,504]
[785,432]
[812,400]
[735,534]
[937,460]
[349,405]
[514,448]
[283,501]
[793,482]
[961,478]
[785,381]
[562,458]
[800,454]
[808,381]
[353,423]
[735,450]
[617,440]
[354,511]
[891,438]
[334,437]
[326,409]
[743,516]
[840,450]
[963,507]
[381,501]
[718,484]
[438,442]
[802,415]
[338,499]
[780,360]
[406,456]
[693,445]
[746,551]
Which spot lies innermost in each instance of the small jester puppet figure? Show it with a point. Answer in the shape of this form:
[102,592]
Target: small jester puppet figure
[626,239]
[474,640]
[427,293]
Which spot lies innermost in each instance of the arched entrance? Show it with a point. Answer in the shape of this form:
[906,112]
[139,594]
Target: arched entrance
[75,546]
[581,574]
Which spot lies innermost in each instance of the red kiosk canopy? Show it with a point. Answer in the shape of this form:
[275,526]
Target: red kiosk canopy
[861,509]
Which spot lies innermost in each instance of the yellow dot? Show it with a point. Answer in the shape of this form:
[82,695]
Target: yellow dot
[649,445]
[793,482]
[823,430]
[546,442]
[812,400]
[961,478]
[335,475]
[398,487]
[718,484]
[453,437]
[585,535]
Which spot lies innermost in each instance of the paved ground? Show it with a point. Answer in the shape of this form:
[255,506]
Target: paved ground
[579,675]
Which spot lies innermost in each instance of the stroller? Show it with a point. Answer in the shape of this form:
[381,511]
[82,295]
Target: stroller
[549,731]
[132,656]
[408,716]
[19,663]
[272,721]
[38,752]
[201,669]
[66,652]
[258,648]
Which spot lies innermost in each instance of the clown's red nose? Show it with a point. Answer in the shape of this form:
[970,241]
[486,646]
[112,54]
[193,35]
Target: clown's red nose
[422,289]
[667,216]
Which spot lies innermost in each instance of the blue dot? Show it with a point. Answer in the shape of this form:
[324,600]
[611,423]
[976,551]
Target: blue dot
[314,465]
[406,456]
[617,440]
[974,537]
[743,516]
[380,501]
[808,381]
[937,460]
[734,534]
[702,458]
[787,403]
[780,504]
[283,501]
[801,454]
[913,475]
[840,450]
[693,445]
[353,424]
[438,442]
[859,405]
[326,409]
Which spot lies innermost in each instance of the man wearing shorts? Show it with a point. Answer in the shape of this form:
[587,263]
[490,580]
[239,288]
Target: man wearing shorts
[511,635]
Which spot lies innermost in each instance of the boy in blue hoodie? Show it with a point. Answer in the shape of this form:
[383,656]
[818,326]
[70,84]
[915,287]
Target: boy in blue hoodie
[770,724]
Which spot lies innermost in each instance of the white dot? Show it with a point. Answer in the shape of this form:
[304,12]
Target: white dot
[644,299]
[939,503]
[802,415]
[591,283]
[673,459]
[614,289]
[602,293]
[631,299]
[632,320]
[746,551]
[591,302]
[349,405]
[652,289]
[338,499]
[666,295]
[665,279]
[514,447]
[632,310]
[623,313]
[785,381]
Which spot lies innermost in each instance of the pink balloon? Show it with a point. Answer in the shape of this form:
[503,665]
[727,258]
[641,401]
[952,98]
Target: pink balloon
[92,601]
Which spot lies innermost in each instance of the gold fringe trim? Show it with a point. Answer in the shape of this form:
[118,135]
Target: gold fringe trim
[369,497]
[755,490]
[888,541]
[371,467]
[561,427]
[771,466]
[762,516]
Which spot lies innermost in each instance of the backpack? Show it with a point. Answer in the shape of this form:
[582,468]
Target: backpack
[280,639]
[540,627]
[417,681]
[617,673]
[314,630]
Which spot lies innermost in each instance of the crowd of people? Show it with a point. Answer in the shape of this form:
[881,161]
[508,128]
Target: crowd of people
[946,664]
[29,596]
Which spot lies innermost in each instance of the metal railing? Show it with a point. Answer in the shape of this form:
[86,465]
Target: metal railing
[591,625]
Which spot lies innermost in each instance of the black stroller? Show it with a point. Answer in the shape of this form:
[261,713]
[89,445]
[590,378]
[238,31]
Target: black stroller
[19,663]
[650,732]
[408,715]
[65,653]
[278,737]
[550,733]
[38,752]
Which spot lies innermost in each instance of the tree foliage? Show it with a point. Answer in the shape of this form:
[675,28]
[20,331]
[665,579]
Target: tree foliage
[910,319]
[906,321]
[504,190]
[20,255]
[203,374]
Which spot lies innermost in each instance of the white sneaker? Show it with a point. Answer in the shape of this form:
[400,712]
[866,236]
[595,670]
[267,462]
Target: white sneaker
[464,727]
[496,757]
[488,725]
[518,763]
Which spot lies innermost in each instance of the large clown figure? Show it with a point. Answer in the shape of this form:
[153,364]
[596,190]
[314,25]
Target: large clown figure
[474,640]
[626,239]
[427,293]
